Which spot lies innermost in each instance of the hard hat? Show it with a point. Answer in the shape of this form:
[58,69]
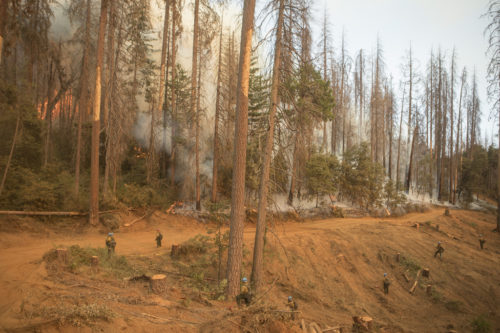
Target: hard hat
[110,234]
[385,274]
[244,279]
[289,298]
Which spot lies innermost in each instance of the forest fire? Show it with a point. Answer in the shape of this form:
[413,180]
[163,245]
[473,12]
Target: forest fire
[281,161]
[63,107]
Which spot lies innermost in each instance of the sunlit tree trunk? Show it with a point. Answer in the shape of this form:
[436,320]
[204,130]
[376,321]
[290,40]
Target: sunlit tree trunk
[266,163]
[94,163]
[235,251]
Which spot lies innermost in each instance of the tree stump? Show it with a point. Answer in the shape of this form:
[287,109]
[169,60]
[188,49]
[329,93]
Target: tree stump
[94,262]
[437,227]
[62,255]
[159,283]
[363,323]
[425,272]
[397,257]
[447,212]
[428,289]
[175,250]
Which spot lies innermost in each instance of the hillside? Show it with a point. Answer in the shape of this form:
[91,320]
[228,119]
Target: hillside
[333,268]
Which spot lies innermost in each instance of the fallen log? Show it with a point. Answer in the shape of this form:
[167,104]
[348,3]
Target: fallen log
[412,289]
[315,326]
[406,276]
[138,219]
[22,212]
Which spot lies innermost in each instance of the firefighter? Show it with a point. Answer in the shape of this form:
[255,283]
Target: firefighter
[110,243]
[292,305]
[387,283]
[481,241]
[244,293]
[158,238]
[439,250]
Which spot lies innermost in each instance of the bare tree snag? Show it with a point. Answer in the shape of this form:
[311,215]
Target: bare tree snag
[266,163]
[159,283]
[216,121]
[425,272]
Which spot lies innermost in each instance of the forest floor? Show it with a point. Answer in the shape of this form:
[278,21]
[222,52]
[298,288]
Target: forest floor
[333,268]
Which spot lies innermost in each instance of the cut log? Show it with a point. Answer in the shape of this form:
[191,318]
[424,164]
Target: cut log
[405,275]
[412,289]
[315,327]
[138,219]
[21,212]
[398,256]
[62,255]
[303,325]
[425,272]
[159,283]
[333,329]
[429,289]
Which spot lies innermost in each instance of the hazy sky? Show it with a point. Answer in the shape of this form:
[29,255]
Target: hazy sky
[425,23]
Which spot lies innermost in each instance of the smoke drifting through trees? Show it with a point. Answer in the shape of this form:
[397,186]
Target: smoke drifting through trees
[142,102]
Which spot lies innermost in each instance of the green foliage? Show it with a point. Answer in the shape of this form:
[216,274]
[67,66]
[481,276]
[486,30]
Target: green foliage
[253,164]
[79,261]
[362,179]
[410,264]
[481,325]
[77,315]
[474,174]
[50,189]
[322,174]
[134,195]
[393,198]
[313,97]
[199,244]
[14,103]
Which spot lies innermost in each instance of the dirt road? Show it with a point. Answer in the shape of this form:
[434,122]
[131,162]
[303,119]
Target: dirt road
[333,266]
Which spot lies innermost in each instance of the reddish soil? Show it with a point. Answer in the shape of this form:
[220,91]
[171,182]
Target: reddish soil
[333,268]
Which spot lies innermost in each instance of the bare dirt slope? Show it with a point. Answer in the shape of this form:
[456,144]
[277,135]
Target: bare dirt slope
[333,268]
